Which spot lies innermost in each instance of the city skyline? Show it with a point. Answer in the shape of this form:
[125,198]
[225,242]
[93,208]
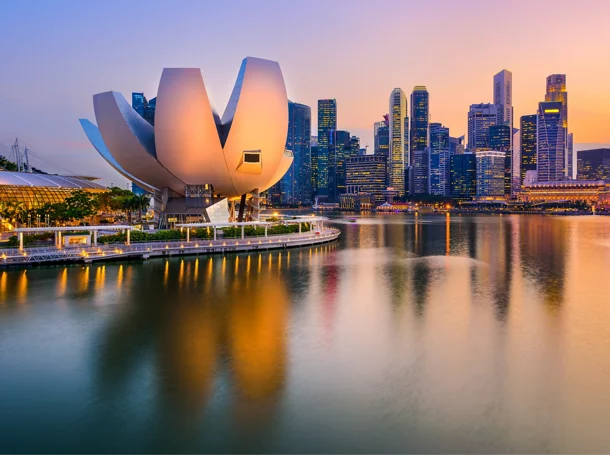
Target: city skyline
[48,88]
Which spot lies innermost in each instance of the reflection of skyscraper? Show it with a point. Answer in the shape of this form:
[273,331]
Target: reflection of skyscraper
[556,92]
[550,142]
[327,125]
[420,115]
[398,145]
[528,141]
[440,164]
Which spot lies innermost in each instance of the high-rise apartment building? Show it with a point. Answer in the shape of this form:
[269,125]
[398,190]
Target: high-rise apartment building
[528,136]
[550,146]
[366,174]
[556,91]
[490,175]
[480,118]
[594,164]
[439,179]
[327,125]
[463,176]
[398,145]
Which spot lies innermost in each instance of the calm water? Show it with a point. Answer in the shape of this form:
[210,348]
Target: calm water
[429,334]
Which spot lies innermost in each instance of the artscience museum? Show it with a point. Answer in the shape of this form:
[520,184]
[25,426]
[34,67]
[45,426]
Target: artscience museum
[198,164]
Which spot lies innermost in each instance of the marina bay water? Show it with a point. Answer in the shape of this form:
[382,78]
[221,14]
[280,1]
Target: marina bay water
[434,333]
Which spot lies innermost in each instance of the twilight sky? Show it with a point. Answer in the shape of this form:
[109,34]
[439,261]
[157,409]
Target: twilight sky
[56,54]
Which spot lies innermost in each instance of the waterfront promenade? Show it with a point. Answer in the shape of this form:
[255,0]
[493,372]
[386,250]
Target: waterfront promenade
[32,256]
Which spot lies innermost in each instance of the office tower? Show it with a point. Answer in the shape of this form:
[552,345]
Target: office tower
[490,175]
[366,174]
[419,153]
[571,156]
[382,137]
[594,164]
[139,102]
[480,118]
[149,112]
[503,98]
[556,92]
[354,145]
[456,145]
[327,125]
[296,183]
[500,140]
[550,146]
[463,176]
[138,190]
[314,166]
[398,147]
[528,144]
[340,151]
[440,161]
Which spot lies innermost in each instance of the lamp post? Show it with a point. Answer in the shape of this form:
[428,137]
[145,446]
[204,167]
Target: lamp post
[38,220]
[29,220]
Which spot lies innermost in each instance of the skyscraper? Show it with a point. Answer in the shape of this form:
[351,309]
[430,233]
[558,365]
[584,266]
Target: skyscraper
[556,91]
[440,160]
[296,183]
[503,98]
[366,174]
[354,146]
[551,144]
[480,118]
[139,102]
[420,115]
[314,166]
[500,140]
[398,146]
[490,175]
[594,164]
[340,152]
[463,176]
[327,125]
[456,145]
[528,144]
[382,137]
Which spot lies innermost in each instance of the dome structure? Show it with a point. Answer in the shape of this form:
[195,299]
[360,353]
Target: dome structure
[190,145]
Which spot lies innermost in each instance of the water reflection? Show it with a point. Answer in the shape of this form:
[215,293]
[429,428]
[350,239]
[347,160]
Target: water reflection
[412,334]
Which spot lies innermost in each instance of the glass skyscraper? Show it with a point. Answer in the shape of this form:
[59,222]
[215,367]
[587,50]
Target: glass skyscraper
[490,175]
[480,118]
[366,174]
[354,145]
[440,160]
[551,145]
[420,115]
[594,164]
[556,91]
[528,132]
[398,141]
[295,185]
[382,137]
[500,140]
[327,125]
[463,176]
[340,151]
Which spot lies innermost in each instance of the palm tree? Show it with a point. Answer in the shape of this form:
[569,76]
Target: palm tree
[13,212]
[141,203]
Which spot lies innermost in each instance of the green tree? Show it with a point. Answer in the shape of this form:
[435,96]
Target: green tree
[80,205]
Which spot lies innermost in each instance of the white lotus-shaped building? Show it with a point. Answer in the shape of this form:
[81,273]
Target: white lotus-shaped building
[190,147]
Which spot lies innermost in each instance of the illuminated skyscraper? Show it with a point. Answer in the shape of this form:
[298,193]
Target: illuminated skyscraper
[594,164]
[340,151]
[528,144]
[440,161]
[354,146]
[314,166]
[327,125]
[556,91]
[480,118]
[366,174]
[500,140]
[490,175]
[420,115]
[551,144]
[382,137]
[503,98]
[398,141]
[463,176]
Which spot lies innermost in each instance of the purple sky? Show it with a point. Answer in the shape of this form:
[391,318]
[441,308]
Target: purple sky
[56,54]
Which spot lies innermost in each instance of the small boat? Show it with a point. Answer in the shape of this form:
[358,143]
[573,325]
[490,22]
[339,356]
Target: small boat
[352,220]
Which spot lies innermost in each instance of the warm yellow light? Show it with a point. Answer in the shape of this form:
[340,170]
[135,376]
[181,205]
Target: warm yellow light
[551,111]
